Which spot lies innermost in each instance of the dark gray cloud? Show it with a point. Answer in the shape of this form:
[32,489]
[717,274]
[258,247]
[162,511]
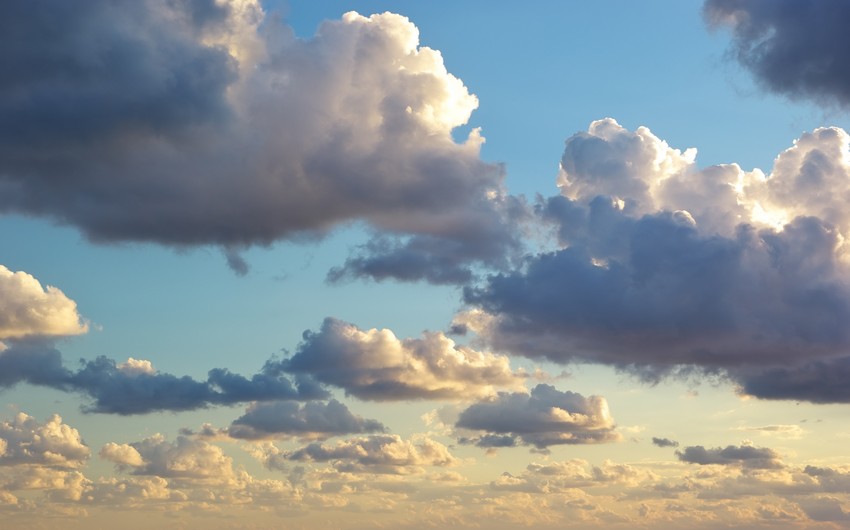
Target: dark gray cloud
[798,48]
[542,418]
[745,456]
[118,389]
[822,381]
[667,268]
[376,365]
[664,442]
[316,420]
[666,295]
[195,122]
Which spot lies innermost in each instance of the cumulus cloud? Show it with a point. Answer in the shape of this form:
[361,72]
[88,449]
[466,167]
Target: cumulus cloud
[311,420]
[135,387]
[377,454]
[542,418]
[665,266]
[746,456]
[207,122]
[29,310]
[664,442]
[183,458]
[792,47]
[376,365]
[26,441]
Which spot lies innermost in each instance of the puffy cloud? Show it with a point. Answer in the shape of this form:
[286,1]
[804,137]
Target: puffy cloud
[746,456]
[26,441]
[796,48]
[375,365]
[664,442]
[29,310]
[379,454]
[134,387]
[542,418]
[121,454]
[666,267]
[184,458]
[206,122]
[311,420]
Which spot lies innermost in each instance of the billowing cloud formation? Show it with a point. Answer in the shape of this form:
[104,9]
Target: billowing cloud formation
[664,264]
[29,310]
[542,418]
[745,456]
[798,48]
[312,420]
[132,388]
[204,122]
[24,440]
[375,365]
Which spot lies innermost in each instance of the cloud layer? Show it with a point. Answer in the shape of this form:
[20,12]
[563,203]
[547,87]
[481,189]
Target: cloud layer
[135,388]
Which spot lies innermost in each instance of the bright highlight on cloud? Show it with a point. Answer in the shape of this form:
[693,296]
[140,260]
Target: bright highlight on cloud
[205,122]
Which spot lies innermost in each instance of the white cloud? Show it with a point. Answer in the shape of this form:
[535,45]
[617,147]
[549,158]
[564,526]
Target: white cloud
[26,441]
[29,310]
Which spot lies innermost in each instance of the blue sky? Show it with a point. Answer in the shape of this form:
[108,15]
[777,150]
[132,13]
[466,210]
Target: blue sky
[709,395]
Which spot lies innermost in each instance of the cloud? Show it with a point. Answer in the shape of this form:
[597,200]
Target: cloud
[134,387]
[204,122]
[26,441]
[795,48]
[29,310]
[311,420]
[746,456]
[793,432]
[375,365]
[555,477]
[666,267]
[664,442]
[378,454]
[542,418]
[183,458]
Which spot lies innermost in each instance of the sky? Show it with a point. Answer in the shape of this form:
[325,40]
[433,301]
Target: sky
[399,264]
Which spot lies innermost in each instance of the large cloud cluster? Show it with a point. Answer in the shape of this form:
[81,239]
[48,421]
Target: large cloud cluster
[205,122]
[376,365]
[666,265]
[798,48]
